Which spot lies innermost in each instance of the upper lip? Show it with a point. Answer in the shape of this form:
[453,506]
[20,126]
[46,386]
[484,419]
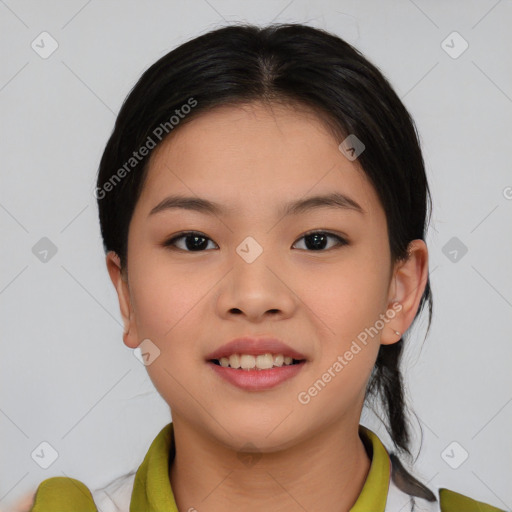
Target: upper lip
[255,346]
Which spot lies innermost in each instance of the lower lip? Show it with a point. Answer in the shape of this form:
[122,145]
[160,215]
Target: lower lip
[257,380]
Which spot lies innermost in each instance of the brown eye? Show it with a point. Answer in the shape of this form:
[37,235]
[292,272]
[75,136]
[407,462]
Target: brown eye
[317,240]
[193,241]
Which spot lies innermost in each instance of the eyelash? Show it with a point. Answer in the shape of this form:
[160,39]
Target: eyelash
[171,242]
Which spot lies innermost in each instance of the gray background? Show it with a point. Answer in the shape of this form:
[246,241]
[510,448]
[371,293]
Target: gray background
[67,377]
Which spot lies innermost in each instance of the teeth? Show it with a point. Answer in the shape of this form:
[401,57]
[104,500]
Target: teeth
[260,362]
[264,361]
[234,361]
[278,360]
[247,362]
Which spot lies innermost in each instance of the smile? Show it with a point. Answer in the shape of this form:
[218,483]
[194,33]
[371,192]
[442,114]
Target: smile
[259,362]
[256,373]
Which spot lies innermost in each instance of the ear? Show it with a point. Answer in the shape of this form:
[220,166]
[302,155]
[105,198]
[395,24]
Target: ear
[405,291]
[119,279]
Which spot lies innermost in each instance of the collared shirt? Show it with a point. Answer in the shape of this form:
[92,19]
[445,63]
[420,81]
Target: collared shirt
[149,489]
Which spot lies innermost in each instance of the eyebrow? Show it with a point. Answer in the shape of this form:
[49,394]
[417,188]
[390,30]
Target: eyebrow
[334,200]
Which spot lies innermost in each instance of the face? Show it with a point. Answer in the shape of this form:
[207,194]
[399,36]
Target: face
[314,278]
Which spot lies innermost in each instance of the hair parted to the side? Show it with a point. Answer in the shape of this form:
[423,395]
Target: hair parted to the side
[298,65]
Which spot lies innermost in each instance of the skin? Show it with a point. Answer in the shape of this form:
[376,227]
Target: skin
[252,159]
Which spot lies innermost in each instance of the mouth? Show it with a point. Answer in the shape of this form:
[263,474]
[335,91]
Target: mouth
[256,373]
[260,362]
[256,363]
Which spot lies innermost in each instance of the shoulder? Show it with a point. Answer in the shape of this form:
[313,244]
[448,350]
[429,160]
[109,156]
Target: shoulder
[406,493]
[446,501]
[453,501]
[64,493]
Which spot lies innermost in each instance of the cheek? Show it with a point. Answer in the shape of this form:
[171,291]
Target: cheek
[164,299]
[346,305]
[166,306]
[345,298]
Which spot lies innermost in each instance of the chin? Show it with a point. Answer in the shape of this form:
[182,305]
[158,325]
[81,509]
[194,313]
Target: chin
[268,434]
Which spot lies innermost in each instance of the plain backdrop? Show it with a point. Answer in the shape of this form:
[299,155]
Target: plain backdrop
[68,380]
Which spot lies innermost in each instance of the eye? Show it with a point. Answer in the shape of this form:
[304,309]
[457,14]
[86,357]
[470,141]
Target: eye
[316,240]
[194,241]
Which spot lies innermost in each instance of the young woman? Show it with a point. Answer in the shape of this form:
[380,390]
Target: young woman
[263,205]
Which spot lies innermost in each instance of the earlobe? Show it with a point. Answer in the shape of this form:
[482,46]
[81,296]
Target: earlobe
[407,287]
[390,335]
[120,282]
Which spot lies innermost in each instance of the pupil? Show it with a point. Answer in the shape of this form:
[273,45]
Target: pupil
[315,237]
[192,246]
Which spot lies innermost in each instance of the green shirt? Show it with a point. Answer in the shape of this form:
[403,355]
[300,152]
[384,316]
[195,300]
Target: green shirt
[149,489]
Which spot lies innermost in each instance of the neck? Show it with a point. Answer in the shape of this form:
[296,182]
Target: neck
[325,472]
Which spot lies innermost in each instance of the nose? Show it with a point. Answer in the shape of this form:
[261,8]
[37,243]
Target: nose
[258,290]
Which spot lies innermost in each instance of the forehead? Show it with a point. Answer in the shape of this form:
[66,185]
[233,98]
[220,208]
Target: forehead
[254,155]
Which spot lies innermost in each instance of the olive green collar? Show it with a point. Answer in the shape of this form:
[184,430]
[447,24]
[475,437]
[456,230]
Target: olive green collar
[375,489]
[152,490]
